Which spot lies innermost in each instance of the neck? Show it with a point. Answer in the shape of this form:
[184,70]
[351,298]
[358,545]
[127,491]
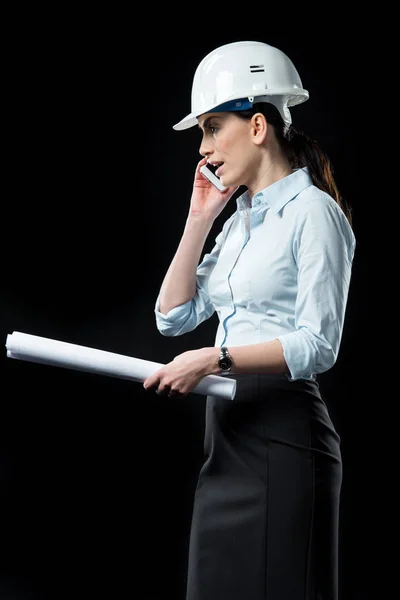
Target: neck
[270,172]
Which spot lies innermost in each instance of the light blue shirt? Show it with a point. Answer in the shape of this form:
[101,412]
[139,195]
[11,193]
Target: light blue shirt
[280,269]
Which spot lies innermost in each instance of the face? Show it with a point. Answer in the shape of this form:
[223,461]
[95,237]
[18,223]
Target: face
[228,142]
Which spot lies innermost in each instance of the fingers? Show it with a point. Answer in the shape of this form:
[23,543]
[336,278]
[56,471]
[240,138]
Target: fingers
[167,391]
[161,389]
[174,394]
[201,162]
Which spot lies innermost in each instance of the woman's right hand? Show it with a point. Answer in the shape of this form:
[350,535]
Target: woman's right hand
[206,199]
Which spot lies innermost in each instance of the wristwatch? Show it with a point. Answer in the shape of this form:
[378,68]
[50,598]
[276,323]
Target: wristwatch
[225,360]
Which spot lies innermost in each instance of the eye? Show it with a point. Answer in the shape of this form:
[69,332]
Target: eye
[214,129]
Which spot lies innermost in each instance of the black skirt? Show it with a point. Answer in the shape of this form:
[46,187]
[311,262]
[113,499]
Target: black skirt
[266,507]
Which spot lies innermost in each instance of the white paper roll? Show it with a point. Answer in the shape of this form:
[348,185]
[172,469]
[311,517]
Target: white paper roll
[33,348]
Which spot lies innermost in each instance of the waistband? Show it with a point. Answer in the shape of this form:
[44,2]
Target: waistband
[258,383]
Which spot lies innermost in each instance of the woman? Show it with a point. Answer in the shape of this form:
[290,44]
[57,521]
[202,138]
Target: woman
[266,508]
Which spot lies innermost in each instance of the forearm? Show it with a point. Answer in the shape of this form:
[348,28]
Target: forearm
[183,373]
[263,358]
[179,284]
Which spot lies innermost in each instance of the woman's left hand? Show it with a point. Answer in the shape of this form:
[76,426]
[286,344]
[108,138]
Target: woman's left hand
[180,376]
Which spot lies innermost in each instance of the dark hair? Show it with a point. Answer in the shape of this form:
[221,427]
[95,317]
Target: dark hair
[301,151]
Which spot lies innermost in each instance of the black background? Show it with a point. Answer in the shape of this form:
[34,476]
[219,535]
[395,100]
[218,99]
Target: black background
[97,475]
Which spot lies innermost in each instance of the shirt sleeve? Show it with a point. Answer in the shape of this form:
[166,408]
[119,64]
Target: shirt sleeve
[323,249]
[186,317]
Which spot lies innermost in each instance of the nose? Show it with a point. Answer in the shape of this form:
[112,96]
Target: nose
[205,149]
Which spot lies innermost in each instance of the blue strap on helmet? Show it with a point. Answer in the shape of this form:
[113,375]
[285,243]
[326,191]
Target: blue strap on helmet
[232,105]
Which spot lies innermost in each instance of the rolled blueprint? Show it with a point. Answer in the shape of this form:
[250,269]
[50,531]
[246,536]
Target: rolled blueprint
[33,348]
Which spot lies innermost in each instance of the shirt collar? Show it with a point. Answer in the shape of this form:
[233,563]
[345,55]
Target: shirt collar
[279,193]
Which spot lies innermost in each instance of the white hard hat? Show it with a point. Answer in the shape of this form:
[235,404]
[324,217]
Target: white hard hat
[244,72]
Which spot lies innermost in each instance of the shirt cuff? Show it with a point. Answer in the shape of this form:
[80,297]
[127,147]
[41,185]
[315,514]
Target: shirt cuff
[298,356]
[172,322]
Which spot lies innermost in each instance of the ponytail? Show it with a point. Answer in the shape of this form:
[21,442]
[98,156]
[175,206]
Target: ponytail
[302,151]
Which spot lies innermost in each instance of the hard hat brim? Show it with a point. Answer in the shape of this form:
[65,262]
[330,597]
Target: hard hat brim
[285,97]
[189,121]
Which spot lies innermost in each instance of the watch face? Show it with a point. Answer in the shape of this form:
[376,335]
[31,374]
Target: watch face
[225,363]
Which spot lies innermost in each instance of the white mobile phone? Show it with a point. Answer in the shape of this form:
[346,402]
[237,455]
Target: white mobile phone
[206,171]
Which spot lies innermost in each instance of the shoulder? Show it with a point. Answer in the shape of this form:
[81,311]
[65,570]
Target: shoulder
[315,213]
[312,200]
[314,205]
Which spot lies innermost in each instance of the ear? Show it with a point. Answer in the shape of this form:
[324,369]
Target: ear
[259,128]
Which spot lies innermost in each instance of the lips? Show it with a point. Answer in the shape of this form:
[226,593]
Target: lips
[215,167]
